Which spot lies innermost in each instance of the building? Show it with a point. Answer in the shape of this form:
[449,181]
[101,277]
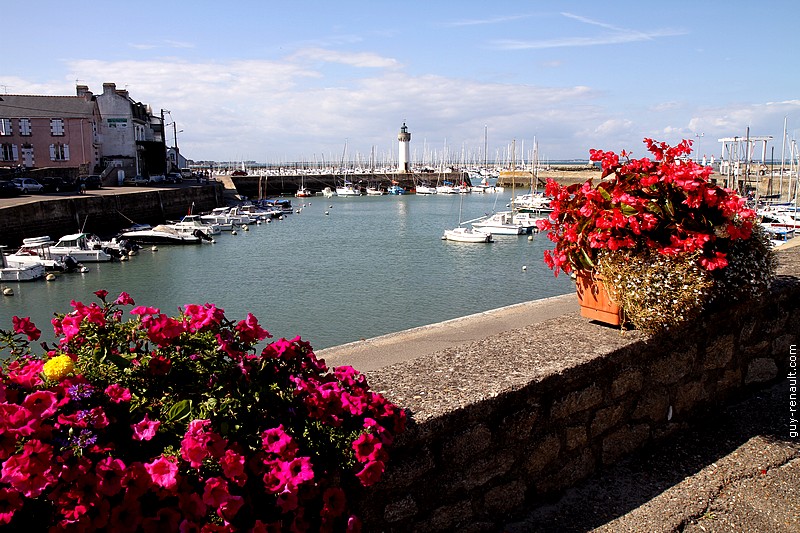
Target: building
[132,139]
[108,134]
[59,132]
[404,138]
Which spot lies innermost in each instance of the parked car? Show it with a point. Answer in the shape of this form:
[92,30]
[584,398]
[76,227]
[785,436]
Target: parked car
[27,185]
[157,178]
[8,190]
[58,184]
[92,181]
[173,177]
[134,180]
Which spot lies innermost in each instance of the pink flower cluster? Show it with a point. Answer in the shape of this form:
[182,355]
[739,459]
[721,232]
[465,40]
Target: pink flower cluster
[176,424]
[667,204]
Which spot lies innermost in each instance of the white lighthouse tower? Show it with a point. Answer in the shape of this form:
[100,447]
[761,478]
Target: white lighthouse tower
[403,165]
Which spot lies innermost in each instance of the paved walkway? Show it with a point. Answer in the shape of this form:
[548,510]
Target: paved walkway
[736,470]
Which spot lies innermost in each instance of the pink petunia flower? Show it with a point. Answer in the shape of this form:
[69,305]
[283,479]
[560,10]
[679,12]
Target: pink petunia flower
[117,393]
[124,299]
[24,325]
[145,429]
[163,472]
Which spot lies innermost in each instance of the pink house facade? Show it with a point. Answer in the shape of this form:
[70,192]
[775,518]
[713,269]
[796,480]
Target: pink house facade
[58,132]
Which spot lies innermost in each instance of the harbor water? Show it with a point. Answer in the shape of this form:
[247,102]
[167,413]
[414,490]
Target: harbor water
[340,270]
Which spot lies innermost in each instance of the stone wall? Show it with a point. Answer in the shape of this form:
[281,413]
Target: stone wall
[104,213]
[503,423]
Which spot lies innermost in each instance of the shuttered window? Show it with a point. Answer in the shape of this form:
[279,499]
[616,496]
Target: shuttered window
[5,126]
[57,126]
[59,152]
[25,126]
[8,152]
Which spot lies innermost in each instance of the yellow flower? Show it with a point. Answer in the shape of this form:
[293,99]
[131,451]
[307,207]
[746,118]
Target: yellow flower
[58,367]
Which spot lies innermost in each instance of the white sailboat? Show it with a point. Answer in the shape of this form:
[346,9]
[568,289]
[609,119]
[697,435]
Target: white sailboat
[464,234]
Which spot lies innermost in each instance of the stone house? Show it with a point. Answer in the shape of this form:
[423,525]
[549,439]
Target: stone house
[108,134]
[58,132]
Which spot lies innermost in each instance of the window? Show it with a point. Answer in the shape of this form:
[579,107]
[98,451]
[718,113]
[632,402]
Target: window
[5,126]
[25,126]
[59,152]
[57,126]
[8,152]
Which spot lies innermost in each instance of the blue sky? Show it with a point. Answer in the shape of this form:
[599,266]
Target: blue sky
[287,81]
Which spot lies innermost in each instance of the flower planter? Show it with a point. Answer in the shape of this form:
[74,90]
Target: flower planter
[594,299]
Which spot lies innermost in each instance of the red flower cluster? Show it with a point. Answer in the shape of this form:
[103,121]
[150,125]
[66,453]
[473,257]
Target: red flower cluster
[176,424]
[666,203]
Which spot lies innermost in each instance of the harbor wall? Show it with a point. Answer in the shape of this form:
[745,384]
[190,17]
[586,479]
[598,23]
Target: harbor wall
[103,213]
[500,425]
[286,184]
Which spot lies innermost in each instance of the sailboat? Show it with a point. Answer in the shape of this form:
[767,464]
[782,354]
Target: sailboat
[504,222]
[347,188]
[303,191]
[464,234]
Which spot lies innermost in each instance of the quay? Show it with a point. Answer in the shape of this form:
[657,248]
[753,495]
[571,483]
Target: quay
[531,418]
[102,211]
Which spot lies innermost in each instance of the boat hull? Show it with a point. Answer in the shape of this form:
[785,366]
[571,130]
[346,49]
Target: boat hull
[466,235]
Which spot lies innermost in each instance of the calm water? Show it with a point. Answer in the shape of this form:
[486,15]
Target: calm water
[372,265]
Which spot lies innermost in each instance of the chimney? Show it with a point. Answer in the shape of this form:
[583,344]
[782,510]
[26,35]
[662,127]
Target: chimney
[84,91]
[109,88]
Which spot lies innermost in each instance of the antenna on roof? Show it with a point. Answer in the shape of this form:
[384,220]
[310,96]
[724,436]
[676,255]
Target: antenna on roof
[5,88]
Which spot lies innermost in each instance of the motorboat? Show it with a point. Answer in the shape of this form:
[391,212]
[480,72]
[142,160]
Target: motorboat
[396,190]
[327,192]
[160,234]
[501,223]
[528,220]
[227,217]
[375,191]
[425,189]
[36,250]
[462,234]
[532,202]
[84,247]
[283,206]
[190,223]
[348,189]
[304,192]
[28,272]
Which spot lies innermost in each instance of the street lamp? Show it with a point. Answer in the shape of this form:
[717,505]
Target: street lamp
[697,145]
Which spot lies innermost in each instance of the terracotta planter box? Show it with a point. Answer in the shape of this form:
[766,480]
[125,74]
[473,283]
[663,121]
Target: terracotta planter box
[595,302]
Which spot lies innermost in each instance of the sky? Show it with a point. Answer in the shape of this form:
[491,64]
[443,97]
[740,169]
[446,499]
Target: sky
[281,81]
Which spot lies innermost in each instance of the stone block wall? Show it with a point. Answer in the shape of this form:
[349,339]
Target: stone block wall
[501,424]
[102,213]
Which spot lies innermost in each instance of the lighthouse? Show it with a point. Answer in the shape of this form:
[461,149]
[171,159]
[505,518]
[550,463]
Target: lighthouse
[403,166]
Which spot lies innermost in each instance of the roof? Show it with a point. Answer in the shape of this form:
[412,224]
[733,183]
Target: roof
[29,106]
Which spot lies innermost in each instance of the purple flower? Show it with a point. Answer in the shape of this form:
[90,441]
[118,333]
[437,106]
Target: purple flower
[80,391]
[83,440]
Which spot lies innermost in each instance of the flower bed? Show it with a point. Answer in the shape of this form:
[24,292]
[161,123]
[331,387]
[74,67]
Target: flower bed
[665,238]
[176,423]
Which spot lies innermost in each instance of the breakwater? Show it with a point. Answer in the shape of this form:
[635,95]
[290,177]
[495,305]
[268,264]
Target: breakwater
[103,212]
[254,186]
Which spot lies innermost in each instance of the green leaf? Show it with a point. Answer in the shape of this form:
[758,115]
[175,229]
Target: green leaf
[179,411]
[604,193]
[627,210]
